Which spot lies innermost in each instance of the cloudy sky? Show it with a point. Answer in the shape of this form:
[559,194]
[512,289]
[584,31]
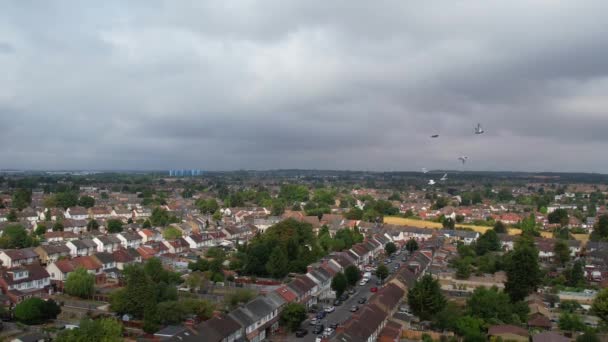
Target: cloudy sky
[342,84]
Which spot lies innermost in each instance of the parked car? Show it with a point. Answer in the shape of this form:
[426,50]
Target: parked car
[362,300]
[379,282]
[321,314]
[354,308]
[330,309]
[318,329]
[374,289]
[318,339]
[314,321]
[351,291]
[363,282]
[301,332]
[337,302]
[334,325]
[344,297]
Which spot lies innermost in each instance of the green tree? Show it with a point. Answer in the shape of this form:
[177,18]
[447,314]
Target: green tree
[500,227]
[36,311]
[425,298]
[239,296]
[80,283]
[411,245]
[15,236]
[339,284]
[159,217]
[492,305]
[562,252]
[558,216]
[382,272]
[600,230]
[470,328]
[488,242]
[138,297]
[352,275]
[86,201]
[293,315]
[92,225]
[66,199]
[40,230]
[12,216]
[58,226]
[103,329]
[172,233]
[277,265]
[523,272]
[448,223]
[463,268]
[588,336]
[114,226]
[22,198]
[208,207]
[571,322]
[390,248]
[600,305]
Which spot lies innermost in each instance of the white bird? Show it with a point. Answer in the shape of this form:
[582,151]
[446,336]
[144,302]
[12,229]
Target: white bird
[444,178]
[424,170]
[463,159]
[431,182]
[478,129]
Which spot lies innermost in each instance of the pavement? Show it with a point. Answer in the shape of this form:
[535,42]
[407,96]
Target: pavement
[342,312]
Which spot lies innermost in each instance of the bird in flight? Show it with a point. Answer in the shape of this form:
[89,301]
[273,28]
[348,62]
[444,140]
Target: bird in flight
[444,178]
[435,136]
[431,182]
[424,170]
[463,159]
[479,129]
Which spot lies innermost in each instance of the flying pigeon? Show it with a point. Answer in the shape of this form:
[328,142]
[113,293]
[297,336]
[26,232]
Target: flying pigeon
[435,136]
[479,130]
[431,182]
[424,170]
[463,159]
[444,178]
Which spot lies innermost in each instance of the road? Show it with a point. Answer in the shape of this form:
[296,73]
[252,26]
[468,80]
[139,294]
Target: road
[342,312]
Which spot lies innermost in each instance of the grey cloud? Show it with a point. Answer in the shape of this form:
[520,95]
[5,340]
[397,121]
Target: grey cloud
[276,84]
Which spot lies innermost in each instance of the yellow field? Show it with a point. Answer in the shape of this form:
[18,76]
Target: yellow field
[400,221]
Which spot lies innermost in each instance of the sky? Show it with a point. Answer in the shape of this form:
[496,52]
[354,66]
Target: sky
[278,84]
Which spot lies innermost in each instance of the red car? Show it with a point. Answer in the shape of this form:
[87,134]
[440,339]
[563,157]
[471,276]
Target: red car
[374,289]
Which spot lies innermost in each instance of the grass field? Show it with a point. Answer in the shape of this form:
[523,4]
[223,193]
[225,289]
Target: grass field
[400,221]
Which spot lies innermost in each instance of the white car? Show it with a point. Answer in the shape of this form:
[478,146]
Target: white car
[318,339]
[313,321]
[330,309]
[363,282]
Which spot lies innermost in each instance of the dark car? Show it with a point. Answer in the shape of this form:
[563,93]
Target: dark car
[334,326]
[378,282]
[344,297]
[351,291]
[318,329]
[337,302]
[301,332]
[321,314]
[362,300]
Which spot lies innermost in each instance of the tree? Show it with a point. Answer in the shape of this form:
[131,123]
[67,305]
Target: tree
[36,311]
[411,245]
[277,265]
[463,268]
[240,296]
[558,216]
[500,227]
[12,216]
[146,224]
[86,201]
[588,336]
[138,297]
[352,275]
[159,217]
[491,305]
[21,198]
[390,248]
[487,242]
[80,283]
[103,329]
[92,225]
[172,233]
[40,230]
[382,272]
[208,207]
[66,199]
[293,315]
[600,230]
[58,227]
[339,284]
[562,252]
[600,305]
[15,236]
[571,322]
[195,281]
[448,223]
[425,298]
[523,272]
[114,226]
[470,328]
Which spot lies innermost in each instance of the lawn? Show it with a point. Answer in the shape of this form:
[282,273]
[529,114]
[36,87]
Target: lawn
[400,221]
